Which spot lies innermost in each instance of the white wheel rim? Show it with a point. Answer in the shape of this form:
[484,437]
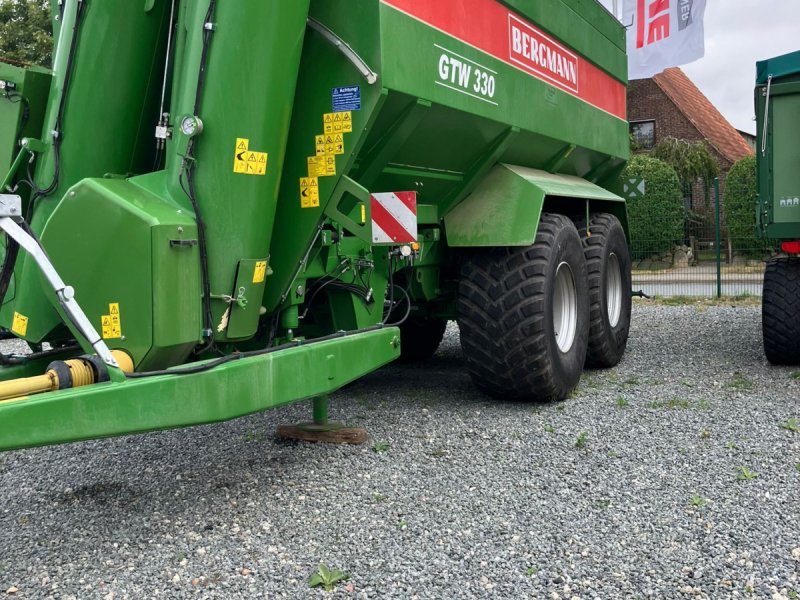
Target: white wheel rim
[565,308]
[614,290]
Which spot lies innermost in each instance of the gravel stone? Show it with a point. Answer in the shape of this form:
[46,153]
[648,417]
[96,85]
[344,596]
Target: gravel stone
[685,486]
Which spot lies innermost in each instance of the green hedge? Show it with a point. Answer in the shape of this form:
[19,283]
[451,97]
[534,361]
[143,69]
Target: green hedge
[740,205]
[656,220]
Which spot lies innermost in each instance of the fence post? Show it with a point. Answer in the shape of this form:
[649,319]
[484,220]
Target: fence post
[717,237]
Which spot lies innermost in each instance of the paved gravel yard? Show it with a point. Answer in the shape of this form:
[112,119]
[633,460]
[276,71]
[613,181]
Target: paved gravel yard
[686,486]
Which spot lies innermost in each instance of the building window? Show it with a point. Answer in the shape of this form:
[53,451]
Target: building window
[644,134]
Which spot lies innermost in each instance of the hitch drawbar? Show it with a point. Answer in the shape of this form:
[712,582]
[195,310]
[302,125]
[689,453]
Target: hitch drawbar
[63,375]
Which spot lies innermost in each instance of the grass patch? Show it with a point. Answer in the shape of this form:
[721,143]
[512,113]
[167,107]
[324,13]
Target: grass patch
[549,428]
[792,425]
[582,441]
[671,404]
[745,474]
[380,446]
[740,382]
[738,300]
[621,402]
[698,501]
[327,578]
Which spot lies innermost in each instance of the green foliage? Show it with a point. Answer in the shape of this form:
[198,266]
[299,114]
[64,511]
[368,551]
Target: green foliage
[691,160]
[740,204]
[26,33]
[745,474]
[327,578]
[380,446]
[656,220]
[698,500]
[792,425]
[583,439]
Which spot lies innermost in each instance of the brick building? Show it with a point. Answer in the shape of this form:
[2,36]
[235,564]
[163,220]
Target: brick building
[670,105]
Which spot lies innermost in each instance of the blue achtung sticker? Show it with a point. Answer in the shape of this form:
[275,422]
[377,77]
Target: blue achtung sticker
[346,98]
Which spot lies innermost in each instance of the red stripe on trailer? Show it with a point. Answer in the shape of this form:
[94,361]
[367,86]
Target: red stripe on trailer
[409,199]
[494,29]
[388,223]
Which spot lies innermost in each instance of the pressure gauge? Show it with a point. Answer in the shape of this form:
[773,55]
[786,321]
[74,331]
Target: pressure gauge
[191,126]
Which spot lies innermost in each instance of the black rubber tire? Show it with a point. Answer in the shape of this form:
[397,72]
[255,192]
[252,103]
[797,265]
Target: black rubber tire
[605,238]
[505,313]
[780,311]
[419,338]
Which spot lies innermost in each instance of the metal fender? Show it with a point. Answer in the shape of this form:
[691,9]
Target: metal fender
[505,208]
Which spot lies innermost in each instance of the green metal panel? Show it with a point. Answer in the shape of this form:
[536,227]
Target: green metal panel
[155,282]
[247,293]
[30,95]
[778,67]
[778,211]
[228,391]
[108,119]
[248,93]
[504,210]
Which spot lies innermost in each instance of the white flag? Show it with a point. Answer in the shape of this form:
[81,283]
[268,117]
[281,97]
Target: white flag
[662,34]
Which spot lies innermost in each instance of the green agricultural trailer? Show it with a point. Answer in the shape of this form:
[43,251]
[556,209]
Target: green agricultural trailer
[777,101]
[212,208]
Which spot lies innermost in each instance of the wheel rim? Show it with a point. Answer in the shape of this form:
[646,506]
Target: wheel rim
[565,308]
[614,290]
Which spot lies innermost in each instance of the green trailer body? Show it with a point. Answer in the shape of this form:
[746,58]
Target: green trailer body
[777,104]
[235,260]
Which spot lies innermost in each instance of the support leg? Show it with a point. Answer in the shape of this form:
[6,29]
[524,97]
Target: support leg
[321,429]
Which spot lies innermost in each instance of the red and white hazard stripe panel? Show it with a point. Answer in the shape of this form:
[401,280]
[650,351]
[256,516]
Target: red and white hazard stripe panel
[394,217]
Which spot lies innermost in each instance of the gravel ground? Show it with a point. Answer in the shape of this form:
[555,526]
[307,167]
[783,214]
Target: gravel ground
[667,477]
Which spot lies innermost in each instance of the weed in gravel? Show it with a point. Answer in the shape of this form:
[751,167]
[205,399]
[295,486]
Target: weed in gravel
[179,556]
[740,382]
[379,498]
[698,500]
[582,441]
[254,436]
[795,374]
[702,404]
[327,578]
[438,453]
[705,434]
[604,503]
[23,520]
[380,446]
[621,402]
[731,446]
[561,407]
[612,454]
[792,425]
[671,404]
[549,428]
[531,571]
[792,594]
[677,300]
[745,474]
[402,524]
[687,383]
[631,381]
[797,466]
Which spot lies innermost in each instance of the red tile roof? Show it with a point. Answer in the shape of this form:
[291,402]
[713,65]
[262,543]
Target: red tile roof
[704,115]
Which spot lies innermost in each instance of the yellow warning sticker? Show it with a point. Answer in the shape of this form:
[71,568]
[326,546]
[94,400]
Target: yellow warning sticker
[247,162]
[330,164]
[20,324]
[320,143]
[309,192]
[363,213]
[347,122]
[316,166]
[338,144]
[111,324]
[260,272]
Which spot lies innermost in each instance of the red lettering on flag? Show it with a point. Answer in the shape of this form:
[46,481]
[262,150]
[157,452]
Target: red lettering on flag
[652,18]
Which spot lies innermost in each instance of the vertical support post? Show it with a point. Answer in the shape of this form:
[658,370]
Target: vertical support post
[320,410]
[717,237]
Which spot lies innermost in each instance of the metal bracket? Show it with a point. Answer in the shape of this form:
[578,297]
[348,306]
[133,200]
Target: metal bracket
[64,293]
